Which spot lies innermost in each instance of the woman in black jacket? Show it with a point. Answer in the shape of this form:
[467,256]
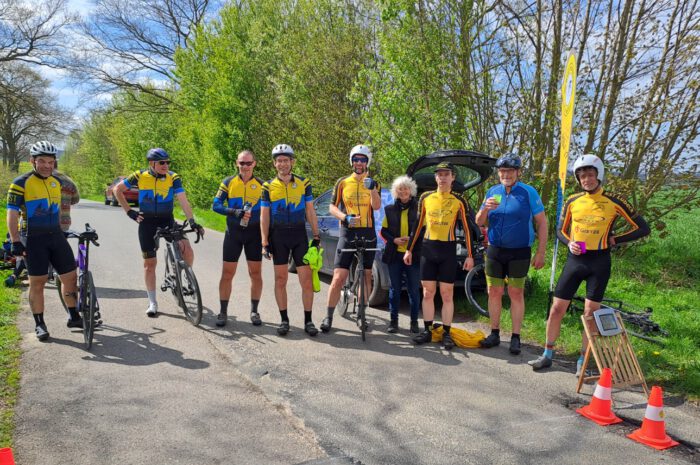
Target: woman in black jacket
[399,220]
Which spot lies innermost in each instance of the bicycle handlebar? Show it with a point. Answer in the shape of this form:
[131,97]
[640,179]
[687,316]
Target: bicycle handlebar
[90,235]
[179,230]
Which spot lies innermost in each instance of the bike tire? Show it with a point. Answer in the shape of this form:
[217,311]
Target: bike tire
[88,307]
[346,294]
[473,286]
[190,295]
[361,306]
[59,288]
[171,278]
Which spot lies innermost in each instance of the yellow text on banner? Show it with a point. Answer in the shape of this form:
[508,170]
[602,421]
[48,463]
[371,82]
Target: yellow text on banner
[568,96]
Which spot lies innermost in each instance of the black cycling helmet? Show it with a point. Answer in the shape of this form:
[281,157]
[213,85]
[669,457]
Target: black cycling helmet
[509,160]
[157,154]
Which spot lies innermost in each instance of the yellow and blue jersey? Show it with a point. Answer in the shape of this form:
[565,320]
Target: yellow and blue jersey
[233,193]
[156,193]
[38,200]
[287,202]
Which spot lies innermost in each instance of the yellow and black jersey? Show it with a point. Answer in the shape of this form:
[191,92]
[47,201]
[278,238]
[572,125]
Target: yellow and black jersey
[233,193]
[438,214]
[38,200]
[352,198]
[287,201]
[590,218]
[156,193]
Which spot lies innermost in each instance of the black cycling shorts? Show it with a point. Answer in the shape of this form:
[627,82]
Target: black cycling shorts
[347,235]
[438,261]
[502,262]
[592,267]
[147,231]
[237,239]
[286,241]
[50,248]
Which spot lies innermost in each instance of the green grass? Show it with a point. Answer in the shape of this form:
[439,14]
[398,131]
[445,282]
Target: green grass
[663,274]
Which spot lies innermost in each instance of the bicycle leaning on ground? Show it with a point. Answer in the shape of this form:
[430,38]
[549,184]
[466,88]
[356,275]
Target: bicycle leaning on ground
[86,297]
[355,287]
[179,277]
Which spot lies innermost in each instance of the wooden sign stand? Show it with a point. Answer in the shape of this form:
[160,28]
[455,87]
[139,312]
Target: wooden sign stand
[614,352]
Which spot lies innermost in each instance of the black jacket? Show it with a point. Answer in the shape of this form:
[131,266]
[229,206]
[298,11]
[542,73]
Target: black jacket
[393,229]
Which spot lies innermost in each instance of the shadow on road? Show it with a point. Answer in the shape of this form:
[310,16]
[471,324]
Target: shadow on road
[114,293]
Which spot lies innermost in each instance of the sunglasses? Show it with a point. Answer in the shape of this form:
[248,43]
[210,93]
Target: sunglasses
[245,163]
[359,160]
[163,162]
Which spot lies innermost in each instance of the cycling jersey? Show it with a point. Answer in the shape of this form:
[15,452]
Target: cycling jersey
[510,225]
[287,201]
[352,198]
[233,193]
[438,213]
[156,193]
[38,200]
[590,218]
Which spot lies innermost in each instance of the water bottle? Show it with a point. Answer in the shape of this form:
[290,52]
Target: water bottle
[246,208]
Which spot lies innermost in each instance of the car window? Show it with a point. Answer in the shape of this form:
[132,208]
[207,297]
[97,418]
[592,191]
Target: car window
[323,204]
[425,178]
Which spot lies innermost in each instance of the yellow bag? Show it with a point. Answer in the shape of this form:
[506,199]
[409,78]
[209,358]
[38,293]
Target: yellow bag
[461,337]
[314,258]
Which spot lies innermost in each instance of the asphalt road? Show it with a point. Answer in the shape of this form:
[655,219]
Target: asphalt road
[160,391]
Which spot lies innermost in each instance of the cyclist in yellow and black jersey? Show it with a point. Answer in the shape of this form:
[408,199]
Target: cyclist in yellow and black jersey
[238,198]
[438,214]
[34,201]
[586,228]
[353,202]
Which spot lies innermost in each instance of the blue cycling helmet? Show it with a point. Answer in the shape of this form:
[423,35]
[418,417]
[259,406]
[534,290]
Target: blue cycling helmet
[509,160]
[157,154]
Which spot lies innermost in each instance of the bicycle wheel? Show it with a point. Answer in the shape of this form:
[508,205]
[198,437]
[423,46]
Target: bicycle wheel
[190,297]
[347,292]
[475,289]
[88,307]
[171,278]
[361,306]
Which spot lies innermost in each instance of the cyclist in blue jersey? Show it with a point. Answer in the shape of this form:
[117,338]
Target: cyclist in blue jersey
[510,208]
[158,188]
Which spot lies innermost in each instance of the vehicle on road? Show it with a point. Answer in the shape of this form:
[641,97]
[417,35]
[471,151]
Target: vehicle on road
[131,194]
[473,168]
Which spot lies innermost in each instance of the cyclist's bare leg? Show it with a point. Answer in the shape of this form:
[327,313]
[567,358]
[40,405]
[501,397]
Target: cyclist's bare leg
[228,271]
[340,275]
[495,305]
[281,275]
[556,314]
[588,308]
[368,285]
[149,273]
[186,251]
[307,287]
[69,287]
[256,284]
[517,307]
[429,289]
[448,307]
[36,293]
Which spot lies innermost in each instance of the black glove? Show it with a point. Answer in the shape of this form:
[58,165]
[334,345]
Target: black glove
[316,242]
[193,224]
[266,252]
[17,249]
[133,214]
[370,183]
[235,212]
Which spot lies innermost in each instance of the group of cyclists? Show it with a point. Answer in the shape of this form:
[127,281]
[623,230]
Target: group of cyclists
[267,219]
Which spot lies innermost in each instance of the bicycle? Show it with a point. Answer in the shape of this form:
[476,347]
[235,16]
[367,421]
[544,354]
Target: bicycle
[86,296]
[355,287]
[178,276]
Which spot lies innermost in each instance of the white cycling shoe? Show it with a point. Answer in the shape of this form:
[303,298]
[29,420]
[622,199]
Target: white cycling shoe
[152,311]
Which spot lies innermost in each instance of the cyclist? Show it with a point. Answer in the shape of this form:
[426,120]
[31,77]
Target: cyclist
[439,211]
[286,203]
[353,202]
[587,219]
[158,187]
[510,208]
[33,221]
[238,199]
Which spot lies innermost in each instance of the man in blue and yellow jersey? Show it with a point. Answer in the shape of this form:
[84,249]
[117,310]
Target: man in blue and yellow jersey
[439,211]
[354,200]
[34,224]
[586,228]
[510,209]
[238,199]
[286,204]
[158,188]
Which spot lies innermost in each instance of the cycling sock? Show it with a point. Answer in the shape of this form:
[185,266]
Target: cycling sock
[307,316]
[428,325]
[254,305]
[224,306]
[283,314]
[330,311]
[549,350]
[39,318]
[74,315]
[447,328]
[515,336]
[497,332]
[152,296]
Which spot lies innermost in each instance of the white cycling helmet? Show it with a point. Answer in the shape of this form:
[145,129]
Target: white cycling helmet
[589,160]
[282,149]
[43,147]
[361,150]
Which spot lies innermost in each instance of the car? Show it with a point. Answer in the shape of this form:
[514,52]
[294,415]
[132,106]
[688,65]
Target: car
[473,168]
[131,194]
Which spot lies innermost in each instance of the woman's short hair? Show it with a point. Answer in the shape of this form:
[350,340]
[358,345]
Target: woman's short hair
[403,181]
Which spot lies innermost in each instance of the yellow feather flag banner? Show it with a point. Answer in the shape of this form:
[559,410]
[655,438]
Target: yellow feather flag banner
[568,97]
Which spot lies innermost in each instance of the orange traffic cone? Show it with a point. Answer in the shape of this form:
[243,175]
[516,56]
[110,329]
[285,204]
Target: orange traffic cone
[599,409]
[653,430]
[6,457]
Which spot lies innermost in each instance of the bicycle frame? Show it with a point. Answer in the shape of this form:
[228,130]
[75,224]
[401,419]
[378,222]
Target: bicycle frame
[359,301]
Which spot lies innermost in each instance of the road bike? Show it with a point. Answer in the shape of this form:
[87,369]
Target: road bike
[354,290]
[86,297]
[179,277]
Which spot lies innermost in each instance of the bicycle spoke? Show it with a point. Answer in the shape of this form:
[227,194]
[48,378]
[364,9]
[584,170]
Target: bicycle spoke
[191,300]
